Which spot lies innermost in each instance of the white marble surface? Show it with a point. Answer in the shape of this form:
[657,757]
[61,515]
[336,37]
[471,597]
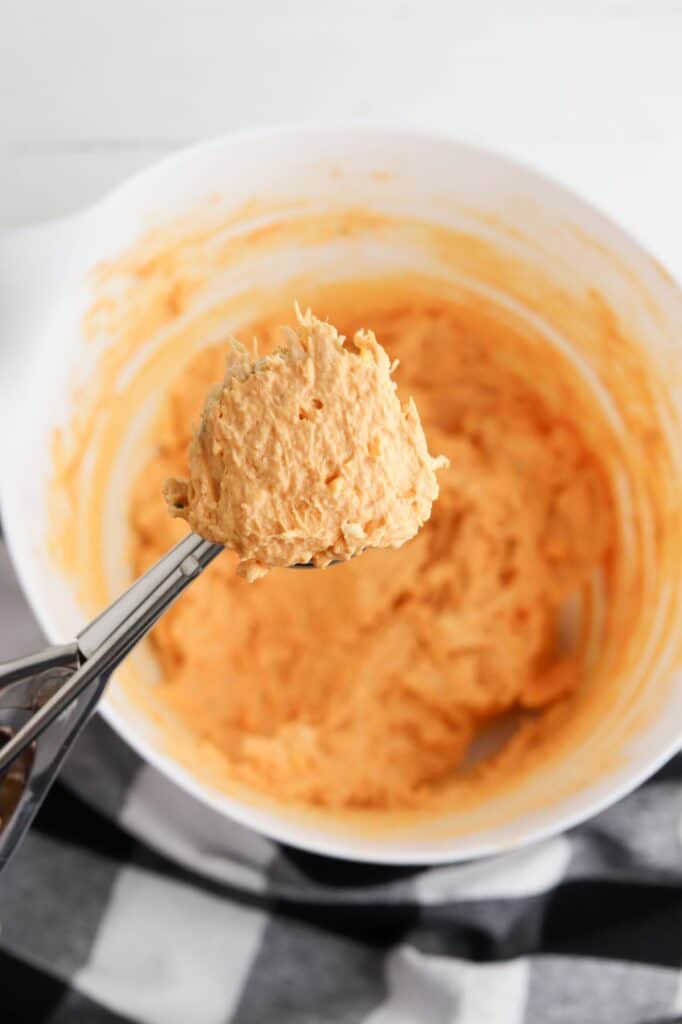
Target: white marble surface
[588,90]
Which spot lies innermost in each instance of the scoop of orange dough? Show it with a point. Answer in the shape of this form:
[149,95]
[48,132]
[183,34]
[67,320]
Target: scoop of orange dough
[307,455]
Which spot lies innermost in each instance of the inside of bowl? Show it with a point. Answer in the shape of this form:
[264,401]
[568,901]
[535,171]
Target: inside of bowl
[597,326]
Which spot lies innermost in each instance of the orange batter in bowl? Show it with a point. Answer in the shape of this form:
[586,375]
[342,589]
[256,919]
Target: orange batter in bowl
[364,686]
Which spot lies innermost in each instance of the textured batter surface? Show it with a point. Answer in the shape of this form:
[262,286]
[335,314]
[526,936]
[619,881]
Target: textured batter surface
[364,686]
[307,455]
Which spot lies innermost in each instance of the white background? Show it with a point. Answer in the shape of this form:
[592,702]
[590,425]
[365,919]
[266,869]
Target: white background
[588,90]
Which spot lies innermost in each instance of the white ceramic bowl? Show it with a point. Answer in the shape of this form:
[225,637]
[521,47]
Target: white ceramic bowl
[44,292]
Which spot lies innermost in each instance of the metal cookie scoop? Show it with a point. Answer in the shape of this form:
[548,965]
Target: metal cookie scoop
[46,698]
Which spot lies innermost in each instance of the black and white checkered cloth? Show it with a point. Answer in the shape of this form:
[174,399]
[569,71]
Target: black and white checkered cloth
[129,902]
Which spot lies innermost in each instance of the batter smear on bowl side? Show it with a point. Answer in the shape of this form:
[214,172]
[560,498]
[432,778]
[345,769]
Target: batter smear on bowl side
[307,454]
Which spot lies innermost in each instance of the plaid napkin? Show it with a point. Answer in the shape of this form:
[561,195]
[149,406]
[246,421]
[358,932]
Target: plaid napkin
[129,902]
